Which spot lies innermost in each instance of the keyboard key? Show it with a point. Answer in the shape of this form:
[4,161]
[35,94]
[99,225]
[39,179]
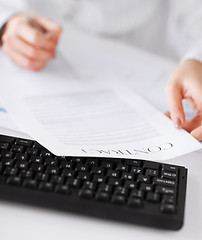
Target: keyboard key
[67,165]
[98,179]
[133,162]
[127,176]
[4,146]
[51,162]
[30,183]
[92,162]
[74,183]
[36,167]
[24,142]
[63,158]
[46,186]
[46,154]
[90,185]
[97,170]
[105,188]
[146,187]
[2,179]
[137,194]
[15,181]
[33,151]
[21,164]
[151,173]
[36,159]
[144,179]
[169,175]
[102,196]
[10,171]
[52,170]
[130,184]
[153,197]
[168,199]
[121,191]
[135,202]
[82,167]
[169,168]
[118,199]
[86,193]
[114,181]
[115,161]
[77,160]
[122,167]
[165,190]
[18,148]
[38,146]
[151,165]
[164,182]
[57,179]
[42,177]
[21,156]
[107,165]
[136,170]
[68,173]
[1,168]
[26,174]
[7,154]
[7,162]
[113,173]
[63,189]
[7,139]
[168,208]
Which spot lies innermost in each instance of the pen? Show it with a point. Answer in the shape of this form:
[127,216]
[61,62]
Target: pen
[36,26]
[47,35]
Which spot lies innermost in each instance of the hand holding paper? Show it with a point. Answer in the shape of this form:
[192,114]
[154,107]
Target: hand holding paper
[186,83]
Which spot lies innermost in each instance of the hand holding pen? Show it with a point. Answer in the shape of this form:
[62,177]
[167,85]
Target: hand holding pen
[30,40]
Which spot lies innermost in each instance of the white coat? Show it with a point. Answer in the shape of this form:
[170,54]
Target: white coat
[166,27]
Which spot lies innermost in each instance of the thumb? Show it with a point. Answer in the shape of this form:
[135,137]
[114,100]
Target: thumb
[192,123]
[175,97]
[197,133]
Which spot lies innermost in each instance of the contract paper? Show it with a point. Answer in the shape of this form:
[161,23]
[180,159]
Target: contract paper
[73,119]
[84,103]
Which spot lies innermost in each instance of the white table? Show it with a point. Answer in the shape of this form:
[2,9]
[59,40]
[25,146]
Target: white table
[26,222]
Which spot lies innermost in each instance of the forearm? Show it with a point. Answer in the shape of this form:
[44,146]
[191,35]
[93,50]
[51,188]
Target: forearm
[6,12]
[184,29]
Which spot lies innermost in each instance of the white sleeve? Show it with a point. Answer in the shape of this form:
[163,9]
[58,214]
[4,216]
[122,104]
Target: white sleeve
[114,17]
[5,13]
[11,7]
[195,52]
[186,29]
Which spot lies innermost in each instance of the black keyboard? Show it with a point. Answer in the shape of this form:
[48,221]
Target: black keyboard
[134,191]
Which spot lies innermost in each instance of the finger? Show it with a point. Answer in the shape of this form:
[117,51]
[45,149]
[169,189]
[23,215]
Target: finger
[49,26]
[197,133]
[21,60]
[174,96]
[34,37]
[168,114]
[192,123]
[32,52]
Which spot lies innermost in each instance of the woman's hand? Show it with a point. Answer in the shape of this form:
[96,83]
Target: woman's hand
[186,83]
[26,45]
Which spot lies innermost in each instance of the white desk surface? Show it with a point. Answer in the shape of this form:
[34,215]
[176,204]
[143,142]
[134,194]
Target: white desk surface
[26,222]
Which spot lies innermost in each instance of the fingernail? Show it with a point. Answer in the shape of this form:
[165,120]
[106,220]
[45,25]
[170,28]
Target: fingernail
[167,114]
[177,123]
